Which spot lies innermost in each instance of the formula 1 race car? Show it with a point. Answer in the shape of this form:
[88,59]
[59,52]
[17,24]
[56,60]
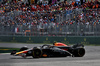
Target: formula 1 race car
[55,50]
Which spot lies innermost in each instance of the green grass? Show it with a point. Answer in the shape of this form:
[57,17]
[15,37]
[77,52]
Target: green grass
[7,50]
[49,43]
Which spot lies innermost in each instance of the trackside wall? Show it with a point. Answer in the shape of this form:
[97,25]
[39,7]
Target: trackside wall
[46,39]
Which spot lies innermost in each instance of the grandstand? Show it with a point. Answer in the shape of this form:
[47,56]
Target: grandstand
[58,19]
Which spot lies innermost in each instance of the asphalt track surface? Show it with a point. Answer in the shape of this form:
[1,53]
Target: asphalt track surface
[91,58]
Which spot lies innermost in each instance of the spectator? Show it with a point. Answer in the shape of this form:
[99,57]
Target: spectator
[43,15]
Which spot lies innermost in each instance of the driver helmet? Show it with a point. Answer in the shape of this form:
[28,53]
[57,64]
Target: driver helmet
[54,42]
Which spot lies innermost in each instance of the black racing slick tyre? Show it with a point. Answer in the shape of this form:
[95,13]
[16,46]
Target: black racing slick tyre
[36,53]
[79,52]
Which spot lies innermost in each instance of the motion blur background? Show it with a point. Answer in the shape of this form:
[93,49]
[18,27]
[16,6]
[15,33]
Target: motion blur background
[49,18]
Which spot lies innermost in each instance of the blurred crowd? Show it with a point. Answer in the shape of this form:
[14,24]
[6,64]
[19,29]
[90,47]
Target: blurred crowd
[46,15]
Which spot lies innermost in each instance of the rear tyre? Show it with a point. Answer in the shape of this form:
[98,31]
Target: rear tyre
[36,53]
[79,52]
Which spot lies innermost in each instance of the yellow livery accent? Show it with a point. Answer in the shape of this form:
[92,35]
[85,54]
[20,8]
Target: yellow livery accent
[19,52]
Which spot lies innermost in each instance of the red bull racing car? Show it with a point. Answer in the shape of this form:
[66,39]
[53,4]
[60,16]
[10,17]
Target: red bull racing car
[55,50]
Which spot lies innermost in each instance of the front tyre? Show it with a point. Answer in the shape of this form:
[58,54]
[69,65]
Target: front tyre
[36,53]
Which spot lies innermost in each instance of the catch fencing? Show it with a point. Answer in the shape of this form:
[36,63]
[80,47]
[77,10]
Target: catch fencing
[77,22]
